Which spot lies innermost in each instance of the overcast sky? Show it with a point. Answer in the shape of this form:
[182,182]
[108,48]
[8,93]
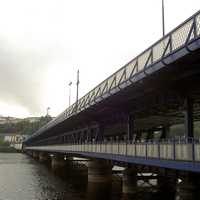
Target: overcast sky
[44,42]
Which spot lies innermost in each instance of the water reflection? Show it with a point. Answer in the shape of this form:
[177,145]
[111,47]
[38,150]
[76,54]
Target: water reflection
[23,178]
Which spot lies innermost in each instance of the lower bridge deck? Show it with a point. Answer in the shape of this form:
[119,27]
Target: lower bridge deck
[175,154]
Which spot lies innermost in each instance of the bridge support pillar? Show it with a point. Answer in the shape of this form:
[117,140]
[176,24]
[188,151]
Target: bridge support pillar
[35,155]
[30,153]
[43,157]
[99,179]
[166,183]
[78,169]
[99,171]
[57,162]
[129,181]
[189,188]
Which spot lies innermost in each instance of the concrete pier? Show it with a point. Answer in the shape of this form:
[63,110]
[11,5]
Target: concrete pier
[77,169]
[44,157]
[35,155]
[129,184]
[57,162]
[99,171]
[189,187]
[166,184]
[30,153]
[99,179]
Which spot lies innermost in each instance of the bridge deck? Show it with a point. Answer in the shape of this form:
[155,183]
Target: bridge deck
[181,155]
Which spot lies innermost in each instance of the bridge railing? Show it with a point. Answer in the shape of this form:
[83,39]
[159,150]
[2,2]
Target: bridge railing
[172,149]
[178,38]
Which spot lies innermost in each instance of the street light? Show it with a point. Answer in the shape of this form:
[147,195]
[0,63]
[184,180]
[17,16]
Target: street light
[77,86]
[77,90]
[48,108]
[70,83]
[163,18]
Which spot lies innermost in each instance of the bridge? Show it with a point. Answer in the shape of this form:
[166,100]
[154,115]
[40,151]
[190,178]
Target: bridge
[128,119]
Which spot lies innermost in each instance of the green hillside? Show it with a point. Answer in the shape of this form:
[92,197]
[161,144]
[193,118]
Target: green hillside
[24,127]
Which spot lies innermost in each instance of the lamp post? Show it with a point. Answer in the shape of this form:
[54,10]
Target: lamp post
[77,90]
[48,108]
[77,86]
[163,18]
[70,83]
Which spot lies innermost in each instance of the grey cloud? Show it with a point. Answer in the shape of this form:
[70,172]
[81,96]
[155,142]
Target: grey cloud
[22,74]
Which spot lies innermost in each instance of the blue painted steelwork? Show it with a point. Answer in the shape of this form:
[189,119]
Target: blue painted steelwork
[180,154]
[188,163]
[170,164]
[179,42]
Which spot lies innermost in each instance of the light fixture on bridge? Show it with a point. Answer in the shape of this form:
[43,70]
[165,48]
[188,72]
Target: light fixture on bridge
[77,86]
[163,18]
[48,108]
[70,83]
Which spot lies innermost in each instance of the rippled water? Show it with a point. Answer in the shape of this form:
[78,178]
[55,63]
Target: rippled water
[22,178]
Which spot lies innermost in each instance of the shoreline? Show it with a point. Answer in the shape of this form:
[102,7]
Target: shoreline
[8,150]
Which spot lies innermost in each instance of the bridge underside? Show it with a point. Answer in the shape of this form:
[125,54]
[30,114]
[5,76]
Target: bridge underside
[166,97]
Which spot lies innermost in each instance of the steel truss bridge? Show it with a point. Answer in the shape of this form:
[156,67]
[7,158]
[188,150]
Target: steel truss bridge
[128,117]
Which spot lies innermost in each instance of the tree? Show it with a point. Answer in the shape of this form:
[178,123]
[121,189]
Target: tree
[25,127]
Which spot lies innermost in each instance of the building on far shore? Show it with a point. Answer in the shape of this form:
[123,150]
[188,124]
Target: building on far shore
[14,120]
[13,138]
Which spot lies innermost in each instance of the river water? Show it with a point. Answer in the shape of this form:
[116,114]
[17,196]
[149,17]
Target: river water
[23,178]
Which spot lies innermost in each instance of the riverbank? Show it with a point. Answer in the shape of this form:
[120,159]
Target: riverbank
[8,150]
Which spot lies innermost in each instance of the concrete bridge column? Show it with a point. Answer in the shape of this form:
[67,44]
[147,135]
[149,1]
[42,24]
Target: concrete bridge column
[99,179]
[166,183]
[57,162]
[99,171]
[129,181]
[189,187]
[78,169]
[30,153]
[43,157]
[35,155]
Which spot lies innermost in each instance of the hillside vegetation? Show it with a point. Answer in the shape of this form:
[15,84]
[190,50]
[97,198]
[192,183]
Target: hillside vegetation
[24,127]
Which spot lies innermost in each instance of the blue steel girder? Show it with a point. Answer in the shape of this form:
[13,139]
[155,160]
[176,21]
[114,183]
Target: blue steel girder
[170,164]
[176,44]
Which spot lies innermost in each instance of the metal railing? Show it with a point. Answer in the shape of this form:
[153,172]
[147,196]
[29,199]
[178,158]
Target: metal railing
[180,37]
[172,149]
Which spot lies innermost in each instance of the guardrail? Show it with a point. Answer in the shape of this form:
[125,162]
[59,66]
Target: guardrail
[178,38]
[183,150]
